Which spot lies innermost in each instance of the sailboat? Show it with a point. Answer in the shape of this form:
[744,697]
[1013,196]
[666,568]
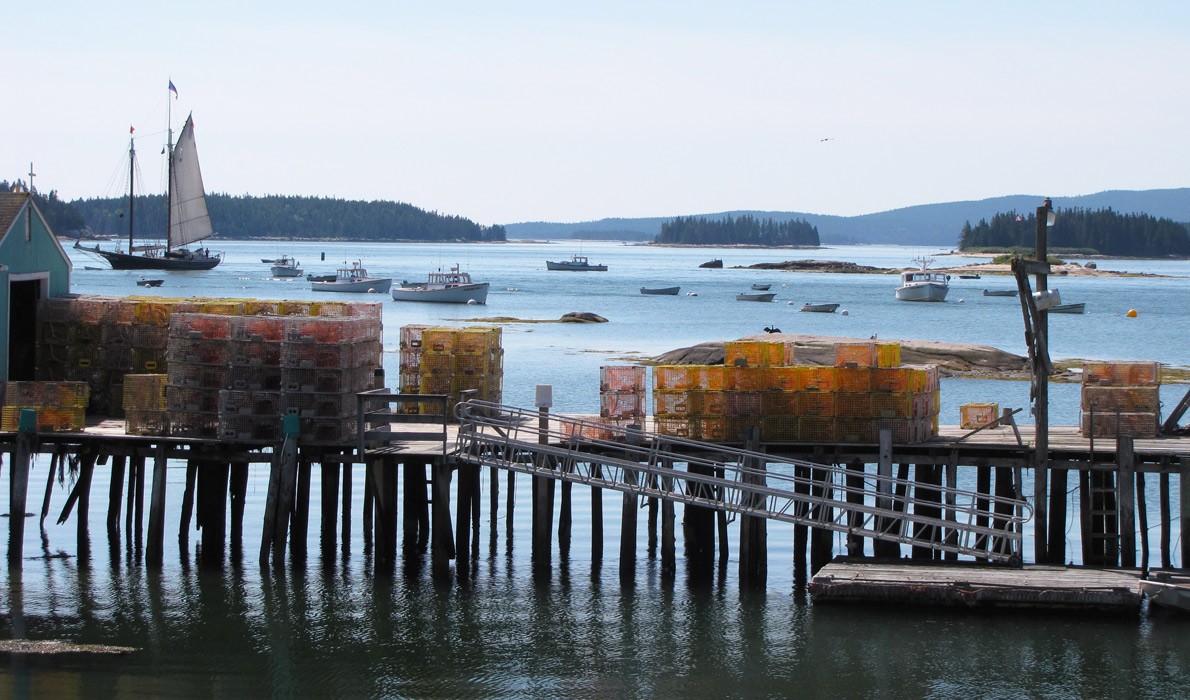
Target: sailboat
[188,221]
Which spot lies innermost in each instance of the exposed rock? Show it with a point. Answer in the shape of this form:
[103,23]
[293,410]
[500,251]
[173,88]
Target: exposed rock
[817,266]
[582,317]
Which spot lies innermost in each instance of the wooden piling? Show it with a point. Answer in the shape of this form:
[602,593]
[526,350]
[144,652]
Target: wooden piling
[1142,516]
[18,486]
[1166,520]
[668,542]
[1056,549]
[299,522]
[884,490]
[855,496]
[238,494]
[115,493]
[926,503]
[381,474]
[1005,490]
[137,507]
[753,529]
[699,530]
[154,543]
[1125,487]
[628,524]
[565,516]
[596,514]
[651,526]
[188,505]
[801,531]
[345,529]
[951,477]
[55,460]
[821,539]
[213,479]
[1184,490]
[983,492]
[464,496]
[329,520]
[414,502]
[441,540]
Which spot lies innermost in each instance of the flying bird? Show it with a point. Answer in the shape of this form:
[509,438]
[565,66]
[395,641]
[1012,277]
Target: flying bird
[828,138]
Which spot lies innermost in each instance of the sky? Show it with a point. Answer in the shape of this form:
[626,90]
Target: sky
[507,112]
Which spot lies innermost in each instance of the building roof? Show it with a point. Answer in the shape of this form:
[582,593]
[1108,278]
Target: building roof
[10,206]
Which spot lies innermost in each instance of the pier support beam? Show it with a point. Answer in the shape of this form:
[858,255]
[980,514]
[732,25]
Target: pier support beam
[115,493]
[753,569]
[1184,490]
[328,522]
[442,548]
[1125,487]
[628,525]
[18,485]
[154,547]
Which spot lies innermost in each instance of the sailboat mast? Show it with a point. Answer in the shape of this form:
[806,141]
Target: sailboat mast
[131,188]
[169,179]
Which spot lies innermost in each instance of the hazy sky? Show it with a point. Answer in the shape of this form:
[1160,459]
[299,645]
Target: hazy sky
[505,112]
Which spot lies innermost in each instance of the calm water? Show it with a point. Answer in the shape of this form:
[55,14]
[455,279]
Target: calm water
[328,628]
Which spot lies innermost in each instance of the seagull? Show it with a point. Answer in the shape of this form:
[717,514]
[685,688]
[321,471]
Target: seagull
[828,138]
[873,337]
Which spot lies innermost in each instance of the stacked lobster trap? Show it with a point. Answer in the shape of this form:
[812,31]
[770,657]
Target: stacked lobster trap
[440,360]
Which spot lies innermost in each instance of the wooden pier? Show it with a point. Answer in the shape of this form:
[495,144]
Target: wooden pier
[916,481]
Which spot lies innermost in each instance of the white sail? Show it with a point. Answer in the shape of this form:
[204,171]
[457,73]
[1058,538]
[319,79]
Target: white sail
[189,221]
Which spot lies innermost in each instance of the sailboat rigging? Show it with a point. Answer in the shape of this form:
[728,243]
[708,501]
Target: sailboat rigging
[187,219]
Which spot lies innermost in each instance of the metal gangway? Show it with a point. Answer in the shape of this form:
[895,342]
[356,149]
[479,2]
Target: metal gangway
[739,481]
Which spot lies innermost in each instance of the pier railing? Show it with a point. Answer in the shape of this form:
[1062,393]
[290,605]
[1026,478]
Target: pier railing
[741,481]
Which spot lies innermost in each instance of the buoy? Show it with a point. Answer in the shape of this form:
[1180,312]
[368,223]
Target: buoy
[1131,313]
[843,312]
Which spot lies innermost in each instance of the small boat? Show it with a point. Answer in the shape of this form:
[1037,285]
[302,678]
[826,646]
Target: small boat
[576,263]
[968,277]
[999,292]
[819,308]
[142,282]
[320,278]
[352,279]
[755,296]
[452,287]
[271,261]
[761,287]
[661,291]
[1167,594]
[922,284]
[713,264]
[286,266]
[1078,308]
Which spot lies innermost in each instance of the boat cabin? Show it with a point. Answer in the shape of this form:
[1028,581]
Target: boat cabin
[33,266]
[917,277]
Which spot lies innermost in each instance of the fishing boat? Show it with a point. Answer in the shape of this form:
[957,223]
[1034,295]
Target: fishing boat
[452,287]
[187,218]
[714,264]
[969,277]
[761,287]
[755,296]
[286,266]
[661,291]
[321,278]
[142,282]
[353,278]
[922,284]
[576,263]
[819,308]
[1077,308]
[999,292]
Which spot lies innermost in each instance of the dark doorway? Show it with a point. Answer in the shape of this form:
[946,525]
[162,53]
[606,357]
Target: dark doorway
[22,329]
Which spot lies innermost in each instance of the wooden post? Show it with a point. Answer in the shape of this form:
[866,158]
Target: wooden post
[493,506]
[1184,490]
[1057,516]
[1142,515]
[543,500]
[1126,464]
[927,497]
[1005,490]
[596,515]
[18,485]
[1084,513]
[345,528]
[884,501]
[55,459]
[983,489]
[1041,403]
[414,502]
[188,505]
[299,524]
[721,524]
[699,527]
[952,516]
[285,463]
[668,544]
[442,540]
[238,493]
[628,524]
[564,515]
[651,526]
[1166,520]
[855,496]
[821,539]
[753,569]
[213,478]
[330,509]
[115,492]
[801,531]
[368,518]
[381,476]
[463,500]
[138,505]
[154,545]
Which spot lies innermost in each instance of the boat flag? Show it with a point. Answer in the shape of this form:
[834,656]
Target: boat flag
[132,129]
[173,89]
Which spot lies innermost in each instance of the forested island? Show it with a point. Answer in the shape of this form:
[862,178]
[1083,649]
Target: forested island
[741,230]
[1081,231]
[268,217]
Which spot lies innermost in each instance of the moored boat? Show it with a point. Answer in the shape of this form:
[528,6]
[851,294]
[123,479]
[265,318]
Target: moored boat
[999,292]
[1076,308]
[761,287]
[922,284]
[353,278]
[143,282]
[755,296]
[286,266]
[661,291]
[452,287]
[576,263]
[819,308]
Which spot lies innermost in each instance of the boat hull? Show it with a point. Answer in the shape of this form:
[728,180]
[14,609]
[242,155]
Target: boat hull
[191,261]
[373,285]
[927,291]
[999,292]
[661,291]
[461,294]
[759,296]
[1068,308]
[568,266]
[286,271]
[820,308]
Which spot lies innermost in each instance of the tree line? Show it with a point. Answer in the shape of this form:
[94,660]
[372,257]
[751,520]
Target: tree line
[272,216]
[742,230]
[1102,231]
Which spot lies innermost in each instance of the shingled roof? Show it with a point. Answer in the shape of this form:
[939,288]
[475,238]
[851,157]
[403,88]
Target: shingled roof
[10,206]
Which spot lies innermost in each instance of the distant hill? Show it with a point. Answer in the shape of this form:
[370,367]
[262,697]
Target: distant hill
[924,224]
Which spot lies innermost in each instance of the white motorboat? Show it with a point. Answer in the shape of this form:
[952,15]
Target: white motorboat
[922,284]
[286,266]
[452,287]
[353,279]
[576,263]
[819,308]
[755,296]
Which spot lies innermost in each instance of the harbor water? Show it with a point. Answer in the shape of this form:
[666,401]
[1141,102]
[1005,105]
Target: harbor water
[327,627]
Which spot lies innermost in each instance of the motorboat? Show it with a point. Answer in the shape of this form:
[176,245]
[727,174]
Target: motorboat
[714,264]
[755,296]
[320,278]
[999,292]
[661,291]
[143,282]
[452,287]
[353,278]
[1076,308]
[968,277]
[576,263]
[1170,594]
[819,308]
[761,287]
[923,284]
[286,266]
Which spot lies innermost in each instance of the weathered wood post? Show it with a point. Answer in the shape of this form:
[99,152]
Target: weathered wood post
[345,528]
[464,497]
[115,493]
[952,517]
[154,545]
[1166,520]
[927,497]
[1041,403]
[299,523]
[55,460]
[596,514]
[1184,490]
[753,565]
[884,500]
[1125,486]
[442,548]
[18,484]
[1142,515]
[238,493]
[855,497]
[279,500]
[188,505]
[628,522]
[381,475]
[330,509]
[821,538]
[668,543]
[983,489]
[1005,490]
[543,487]
[415,503]
[801,487]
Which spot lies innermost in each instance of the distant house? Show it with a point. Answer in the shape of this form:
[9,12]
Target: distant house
[33,266]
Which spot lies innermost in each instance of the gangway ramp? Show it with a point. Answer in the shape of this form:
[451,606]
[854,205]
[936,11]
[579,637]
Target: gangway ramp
[740,481]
